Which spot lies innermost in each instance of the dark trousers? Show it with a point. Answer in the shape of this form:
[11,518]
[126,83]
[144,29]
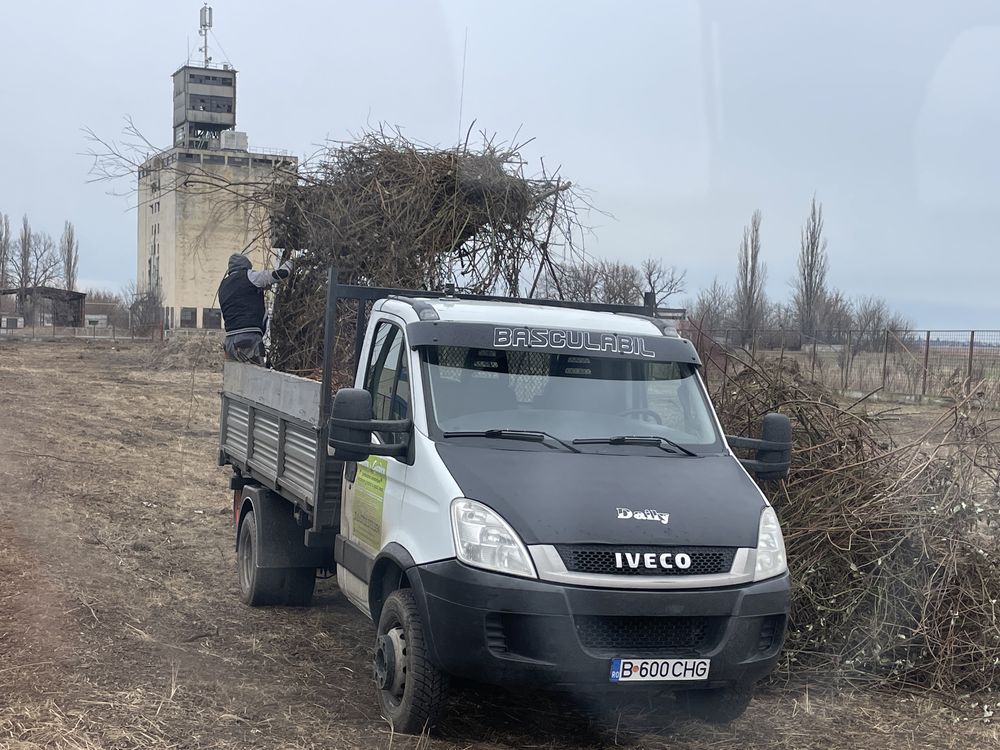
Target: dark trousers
[245,347]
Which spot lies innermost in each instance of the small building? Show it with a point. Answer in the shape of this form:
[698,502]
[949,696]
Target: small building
[103,314]
[48,305]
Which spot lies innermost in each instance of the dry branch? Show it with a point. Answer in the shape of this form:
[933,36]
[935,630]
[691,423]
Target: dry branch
[387,212]
[893,549]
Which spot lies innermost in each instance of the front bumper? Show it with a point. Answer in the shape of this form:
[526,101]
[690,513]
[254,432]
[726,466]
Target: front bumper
[511,631]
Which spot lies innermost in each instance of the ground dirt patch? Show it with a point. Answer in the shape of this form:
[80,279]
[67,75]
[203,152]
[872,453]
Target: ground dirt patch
[120,625]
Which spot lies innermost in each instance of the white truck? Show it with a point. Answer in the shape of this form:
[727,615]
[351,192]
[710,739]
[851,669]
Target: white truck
[515,492]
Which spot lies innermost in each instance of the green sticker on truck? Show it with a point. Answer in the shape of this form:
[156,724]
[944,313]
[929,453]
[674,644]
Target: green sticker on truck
[369,495]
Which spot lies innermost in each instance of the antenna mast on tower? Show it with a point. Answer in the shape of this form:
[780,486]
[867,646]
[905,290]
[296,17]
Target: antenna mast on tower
[206,26]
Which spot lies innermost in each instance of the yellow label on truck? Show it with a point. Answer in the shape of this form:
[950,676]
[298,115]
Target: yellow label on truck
[369,495]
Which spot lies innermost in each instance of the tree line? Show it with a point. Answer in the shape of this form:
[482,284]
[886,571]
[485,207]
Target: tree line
[30,259]
[815,310]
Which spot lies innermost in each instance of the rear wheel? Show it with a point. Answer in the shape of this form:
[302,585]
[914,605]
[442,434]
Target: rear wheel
[412,691]
[258,586]
[263,586]
[716,705]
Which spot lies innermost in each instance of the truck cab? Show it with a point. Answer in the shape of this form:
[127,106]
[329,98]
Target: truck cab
[543,496]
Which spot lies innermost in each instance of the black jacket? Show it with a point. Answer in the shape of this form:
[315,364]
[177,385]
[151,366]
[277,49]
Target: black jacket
[242,303]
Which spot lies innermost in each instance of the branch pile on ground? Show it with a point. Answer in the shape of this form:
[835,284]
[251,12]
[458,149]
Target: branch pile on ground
[893,549]
[387,212]
[201,352]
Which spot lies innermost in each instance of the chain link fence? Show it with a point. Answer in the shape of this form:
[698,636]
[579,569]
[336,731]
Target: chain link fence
[894,363]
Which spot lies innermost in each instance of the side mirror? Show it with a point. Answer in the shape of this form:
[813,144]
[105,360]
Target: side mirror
[351,427]
[774,449]
[775,453]
[350,424]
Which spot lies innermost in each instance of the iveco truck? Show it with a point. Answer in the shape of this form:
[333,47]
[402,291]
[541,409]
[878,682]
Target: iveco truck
[515,492]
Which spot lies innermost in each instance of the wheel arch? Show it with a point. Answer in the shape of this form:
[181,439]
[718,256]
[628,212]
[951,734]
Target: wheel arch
[389,573]
[250,495]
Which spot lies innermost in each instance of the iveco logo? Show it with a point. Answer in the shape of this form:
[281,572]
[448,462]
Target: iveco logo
[625,514]
[652,560]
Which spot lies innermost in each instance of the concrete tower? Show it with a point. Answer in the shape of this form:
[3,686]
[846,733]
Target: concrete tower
[190,216]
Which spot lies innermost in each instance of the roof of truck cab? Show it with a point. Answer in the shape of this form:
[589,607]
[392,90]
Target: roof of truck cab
[524,314]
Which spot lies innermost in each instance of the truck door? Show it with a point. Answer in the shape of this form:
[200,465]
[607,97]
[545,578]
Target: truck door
[373,491]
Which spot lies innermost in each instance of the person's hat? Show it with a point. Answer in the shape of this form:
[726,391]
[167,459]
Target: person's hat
[238,261]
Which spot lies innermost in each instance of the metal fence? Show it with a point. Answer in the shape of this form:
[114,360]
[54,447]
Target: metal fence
[101,333]
[896,364]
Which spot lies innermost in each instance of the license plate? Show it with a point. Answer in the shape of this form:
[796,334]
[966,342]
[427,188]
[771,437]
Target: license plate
[659,670]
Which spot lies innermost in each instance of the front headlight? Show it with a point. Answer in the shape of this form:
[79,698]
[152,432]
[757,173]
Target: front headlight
[771,559]
[485,540]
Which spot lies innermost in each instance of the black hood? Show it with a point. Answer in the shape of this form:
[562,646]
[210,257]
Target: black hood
[554,497]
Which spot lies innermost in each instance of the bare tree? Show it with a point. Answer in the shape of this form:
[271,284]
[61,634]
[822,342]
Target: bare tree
[5,246]
[872,318]
[69,252]
[621,283]
[712,309]
[836,316]
[810,283]
[663,282]
[46,266]
[749,299]
[144,308]
[22,264]
[579,282]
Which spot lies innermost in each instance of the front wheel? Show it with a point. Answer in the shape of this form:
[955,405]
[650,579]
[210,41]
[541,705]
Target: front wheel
[716,705]
[412,691]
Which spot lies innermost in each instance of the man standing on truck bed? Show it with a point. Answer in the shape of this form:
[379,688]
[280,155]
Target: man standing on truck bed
[241,296]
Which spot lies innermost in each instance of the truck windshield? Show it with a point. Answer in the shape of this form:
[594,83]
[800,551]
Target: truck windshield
[567,396]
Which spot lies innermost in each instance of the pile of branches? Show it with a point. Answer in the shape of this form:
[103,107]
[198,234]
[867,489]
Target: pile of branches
[385,211]
[893,548]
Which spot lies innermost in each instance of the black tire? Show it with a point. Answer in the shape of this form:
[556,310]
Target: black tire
[299,585]
[716,705]
[420,701]
[258,586]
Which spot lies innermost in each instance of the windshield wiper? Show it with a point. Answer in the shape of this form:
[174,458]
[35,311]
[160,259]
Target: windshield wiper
[535,436]
[655,440]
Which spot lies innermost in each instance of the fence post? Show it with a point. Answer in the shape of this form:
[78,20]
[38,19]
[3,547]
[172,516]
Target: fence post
[847,360]
[885,358]
[972,349]
[725,375]
[927,359]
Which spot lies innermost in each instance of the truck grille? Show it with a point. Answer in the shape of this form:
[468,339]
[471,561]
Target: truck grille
[600,559]
[632,636]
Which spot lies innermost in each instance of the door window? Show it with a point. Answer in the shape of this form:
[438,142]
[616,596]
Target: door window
[388,376]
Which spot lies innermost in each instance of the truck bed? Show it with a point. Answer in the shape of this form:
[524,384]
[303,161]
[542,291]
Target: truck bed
[271,431]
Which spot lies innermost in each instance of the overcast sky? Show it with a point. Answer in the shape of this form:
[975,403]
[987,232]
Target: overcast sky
[680,117]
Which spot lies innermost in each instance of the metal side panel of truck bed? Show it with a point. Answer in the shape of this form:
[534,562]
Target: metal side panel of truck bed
[271,432]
